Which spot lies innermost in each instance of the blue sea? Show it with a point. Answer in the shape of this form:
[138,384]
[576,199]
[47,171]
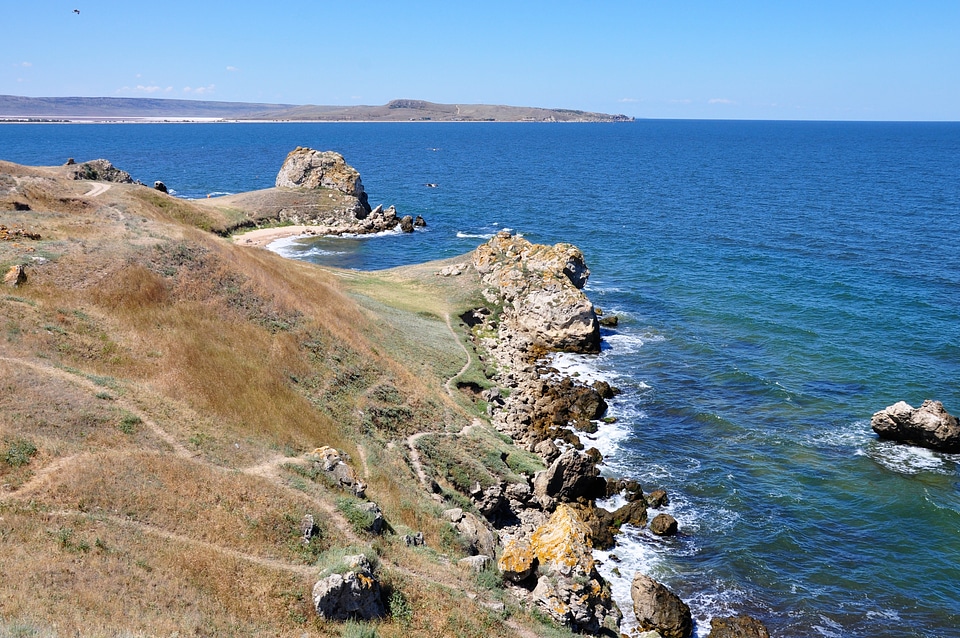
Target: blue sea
[776,283]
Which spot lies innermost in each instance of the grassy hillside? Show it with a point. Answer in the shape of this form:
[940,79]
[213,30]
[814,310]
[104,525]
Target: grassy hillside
[161,390]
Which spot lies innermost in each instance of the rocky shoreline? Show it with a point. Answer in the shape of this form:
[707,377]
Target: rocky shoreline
[549,528]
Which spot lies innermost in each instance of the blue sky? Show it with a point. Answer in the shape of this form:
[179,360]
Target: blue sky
[816,60]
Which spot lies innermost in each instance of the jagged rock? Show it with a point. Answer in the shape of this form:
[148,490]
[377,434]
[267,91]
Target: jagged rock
[663,525]
[419,222]
[929,426]
[540,285]
[160,186]
[604,524]
[605,390]
[657,498]
[413,540]
[659,609]
[310,169]
[517,561]
[354,594]
[630,489]
[547,450]
[307,528]
[491,502]
[16,276]
[476,534]
[375,513]
[476,563]
[334,464]
[454,514]
[737,627]
[100,170]
[573,475]
[406,224]
[569,588]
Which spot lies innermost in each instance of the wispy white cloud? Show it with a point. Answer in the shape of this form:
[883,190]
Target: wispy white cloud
[628,99]
[200,90]
[684,101]
[148,89]
[232,68]
[26,64]
[721,100]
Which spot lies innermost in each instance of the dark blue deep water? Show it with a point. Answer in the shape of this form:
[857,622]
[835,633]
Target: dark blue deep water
[777,283]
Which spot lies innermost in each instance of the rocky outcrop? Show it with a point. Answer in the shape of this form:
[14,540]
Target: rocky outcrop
[574,475]
[518,560]
[568,586]
[160,186]
[100,170]
[354,594]
[929,426]
[15,277]
[659,609]
[737,627]
[540,286]
[309,169]
[333,464]
[476,534]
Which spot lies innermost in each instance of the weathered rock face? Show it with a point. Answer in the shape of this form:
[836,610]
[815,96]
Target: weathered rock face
[100,170]
[517,561]
[474,531]
[310,169]
[604,524]
[353,594]
[929,426]
[15,277]
[573,475]
[541,284]
[568,587]
[659,609]
[334,464]
[737,627]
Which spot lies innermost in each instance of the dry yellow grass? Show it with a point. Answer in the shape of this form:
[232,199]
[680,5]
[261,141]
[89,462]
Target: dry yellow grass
[154,381]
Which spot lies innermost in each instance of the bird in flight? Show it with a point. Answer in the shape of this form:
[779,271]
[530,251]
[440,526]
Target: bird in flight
[77,11]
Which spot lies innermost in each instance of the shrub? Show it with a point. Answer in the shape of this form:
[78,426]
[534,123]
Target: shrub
[361,520]
[354,629]
[20,452]
[400,609]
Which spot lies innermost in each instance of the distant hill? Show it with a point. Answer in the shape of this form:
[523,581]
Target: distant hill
[17,108]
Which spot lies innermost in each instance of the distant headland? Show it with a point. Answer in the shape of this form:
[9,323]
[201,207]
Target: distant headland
[116,109]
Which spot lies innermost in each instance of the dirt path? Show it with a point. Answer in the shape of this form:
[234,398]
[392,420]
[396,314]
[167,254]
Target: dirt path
[451,390]
[97,189]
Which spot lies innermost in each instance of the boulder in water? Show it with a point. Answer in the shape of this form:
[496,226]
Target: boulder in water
[929,426]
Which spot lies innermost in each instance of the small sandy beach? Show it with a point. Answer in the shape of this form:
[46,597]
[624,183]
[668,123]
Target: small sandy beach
[264,236]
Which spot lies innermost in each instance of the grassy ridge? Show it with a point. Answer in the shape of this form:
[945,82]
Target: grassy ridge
[160,387]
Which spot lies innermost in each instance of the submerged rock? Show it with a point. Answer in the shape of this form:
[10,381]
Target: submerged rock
[737,627]
[929,426]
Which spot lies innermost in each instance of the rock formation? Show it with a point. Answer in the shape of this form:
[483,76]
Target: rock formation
[309,169]
[659,609]
[929,426]
[334,464]
[572,476]
[737,627]
[540,285]
[353,594]
[663,525]
[16,276]
[568,586]
[100,170]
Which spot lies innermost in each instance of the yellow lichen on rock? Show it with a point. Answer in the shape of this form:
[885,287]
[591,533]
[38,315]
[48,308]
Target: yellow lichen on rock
[563,542]
[518,560]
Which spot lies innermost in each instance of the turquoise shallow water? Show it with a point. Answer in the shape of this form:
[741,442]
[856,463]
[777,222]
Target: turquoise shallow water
[777,283]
